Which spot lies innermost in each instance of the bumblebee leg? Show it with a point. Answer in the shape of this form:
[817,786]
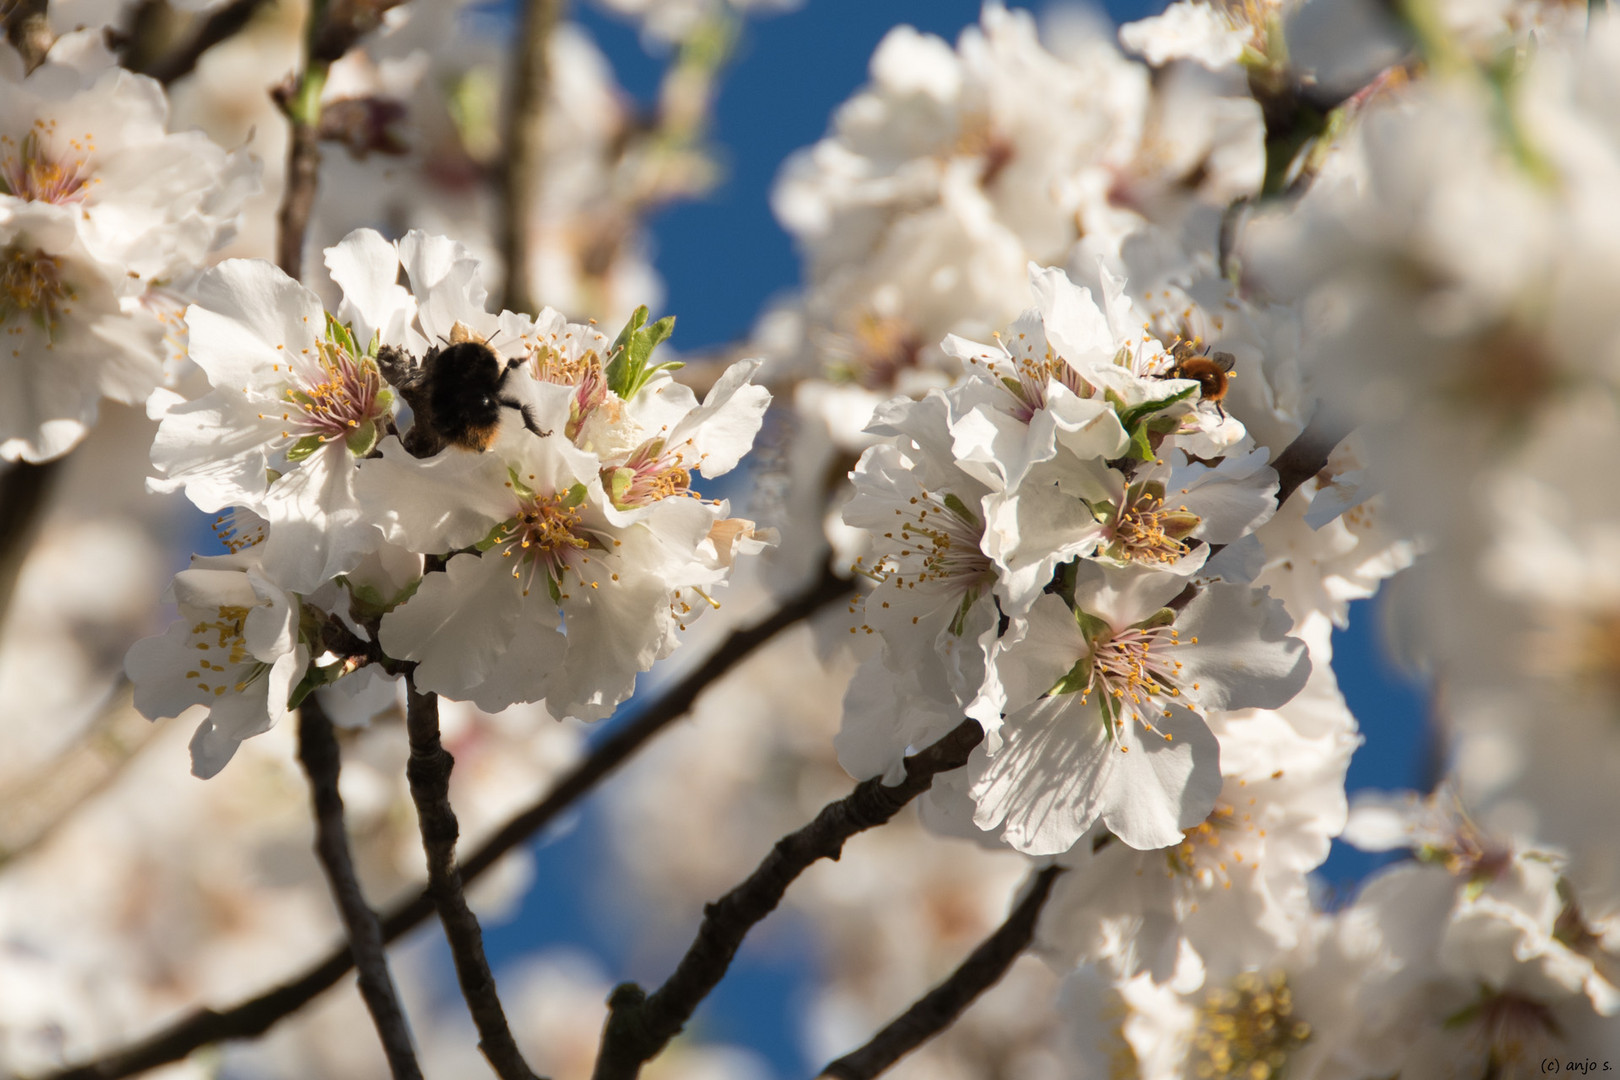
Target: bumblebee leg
[528,415]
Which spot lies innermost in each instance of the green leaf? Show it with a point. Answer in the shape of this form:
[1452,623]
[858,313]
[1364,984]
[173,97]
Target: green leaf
[1137,413]
[1141,449]
[314,679]
[576,496]
[340,335]
[523,490]
[956,506]
[1077,678]
[366,603]
[1163,617]
[617,482]
[304,447]
[1091,627]
[495,535]
[959,620]
[629,365]
[1063,582]
[361,440]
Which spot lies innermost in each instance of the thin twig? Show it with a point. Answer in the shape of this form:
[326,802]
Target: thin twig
[520,170]
[222,24]
[318,750]
[939,1008]
[259,1014]
[639,1026]
[429,773]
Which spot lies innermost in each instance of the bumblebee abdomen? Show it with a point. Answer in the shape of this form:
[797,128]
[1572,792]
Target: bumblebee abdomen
[463,395]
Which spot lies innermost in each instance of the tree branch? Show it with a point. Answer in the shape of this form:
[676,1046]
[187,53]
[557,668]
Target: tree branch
[303,173]
[429,773]
[25,491]
[520,170]
[318,750]
[1308,454]
[939,1008]
[257,1015]
[638,1026]
[334,27]
[28,30]
[222,24]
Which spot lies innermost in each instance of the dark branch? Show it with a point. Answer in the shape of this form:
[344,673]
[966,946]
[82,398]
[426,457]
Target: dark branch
[28,30]
[520,170]
[639,1026]
[334,27]
[257,1015]
[221,25]
[1308,454]
[298,194]
[25,491]
[429,773]
[318,750]
[346,22]
[939,1008]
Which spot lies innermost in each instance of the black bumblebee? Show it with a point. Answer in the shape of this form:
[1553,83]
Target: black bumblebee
[456,393]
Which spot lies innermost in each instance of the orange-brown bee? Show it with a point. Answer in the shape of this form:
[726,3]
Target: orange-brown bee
[1211,371]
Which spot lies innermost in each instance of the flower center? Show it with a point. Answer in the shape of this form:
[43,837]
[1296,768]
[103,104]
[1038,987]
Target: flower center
[1247,1029]
[1132,668]
[1144,531]
[874,353]
[31,284]
[580,368]
[544,535]
[28,171]
[220,641]
[648,476]
[941,537]
[1206,847]
[333,393]
[1028,375]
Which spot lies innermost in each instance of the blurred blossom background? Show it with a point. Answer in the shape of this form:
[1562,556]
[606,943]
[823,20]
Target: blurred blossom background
[130,890]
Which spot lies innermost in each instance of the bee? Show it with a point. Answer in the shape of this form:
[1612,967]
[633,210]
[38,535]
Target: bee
[1212,371]
[456,393]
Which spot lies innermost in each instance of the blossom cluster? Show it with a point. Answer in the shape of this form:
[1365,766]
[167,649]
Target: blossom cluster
[535,536]
[104,214]
[1043,535]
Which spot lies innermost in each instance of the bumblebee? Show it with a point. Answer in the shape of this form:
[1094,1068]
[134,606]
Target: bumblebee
[456,393]
[1211,371]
